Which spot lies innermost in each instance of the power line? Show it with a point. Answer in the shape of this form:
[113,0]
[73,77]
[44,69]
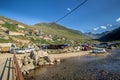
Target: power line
[71,11]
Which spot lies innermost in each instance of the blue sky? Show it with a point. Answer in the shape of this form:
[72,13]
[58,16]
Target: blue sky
[94,16]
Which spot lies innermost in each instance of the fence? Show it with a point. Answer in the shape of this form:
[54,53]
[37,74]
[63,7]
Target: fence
[18,73]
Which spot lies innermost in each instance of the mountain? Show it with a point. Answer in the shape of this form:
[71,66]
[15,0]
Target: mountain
[11,21]
[61,31]
[42,33]
[96,35]
[113,35]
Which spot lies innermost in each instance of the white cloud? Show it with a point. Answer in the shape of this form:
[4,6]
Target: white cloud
[118,19]
[95,29]
[103,27]
[68,9]
[109,25]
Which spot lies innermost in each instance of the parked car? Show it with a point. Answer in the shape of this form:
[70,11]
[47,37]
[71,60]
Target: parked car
[86,47]
[102,45]
[28,50]
[99,50]
[4,49]
[17,50]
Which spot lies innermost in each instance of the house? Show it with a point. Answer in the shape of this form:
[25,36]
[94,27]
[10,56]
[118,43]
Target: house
[41,37]
[20,26]
[5,44]
[15,33]
[22,43]
[47,38]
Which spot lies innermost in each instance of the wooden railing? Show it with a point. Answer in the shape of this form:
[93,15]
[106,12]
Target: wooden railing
[18,73]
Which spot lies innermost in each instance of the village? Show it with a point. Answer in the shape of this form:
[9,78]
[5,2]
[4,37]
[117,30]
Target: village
[29,48]
[32,57]
[60,40]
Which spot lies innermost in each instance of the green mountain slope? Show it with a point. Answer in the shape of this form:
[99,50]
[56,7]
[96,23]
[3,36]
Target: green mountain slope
[60,31]
[13,21]
[43,33]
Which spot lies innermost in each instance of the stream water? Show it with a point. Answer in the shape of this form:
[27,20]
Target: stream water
[81,68]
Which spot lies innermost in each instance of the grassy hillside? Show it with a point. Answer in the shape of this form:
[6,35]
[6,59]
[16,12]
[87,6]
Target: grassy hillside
[43,33]
[10,27]
[113,35]
[59,30]
[11,21]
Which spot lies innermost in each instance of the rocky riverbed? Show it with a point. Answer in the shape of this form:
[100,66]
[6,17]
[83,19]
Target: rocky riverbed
[81,68]
[34,60]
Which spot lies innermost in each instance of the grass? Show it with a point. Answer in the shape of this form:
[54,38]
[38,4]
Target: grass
[14,21]
[5,40]
[10,27]
[60,31]
[20,37]
[56,30]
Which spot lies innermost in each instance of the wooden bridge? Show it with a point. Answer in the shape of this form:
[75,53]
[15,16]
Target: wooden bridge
[9,68]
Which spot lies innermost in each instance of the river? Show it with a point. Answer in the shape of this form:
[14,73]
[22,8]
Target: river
[81,68]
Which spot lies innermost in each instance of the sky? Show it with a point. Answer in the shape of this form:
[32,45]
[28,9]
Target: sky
[94,16]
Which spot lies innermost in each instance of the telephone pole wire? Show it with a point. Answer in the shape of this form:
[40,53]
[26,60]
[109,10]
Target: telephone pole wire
[71,11]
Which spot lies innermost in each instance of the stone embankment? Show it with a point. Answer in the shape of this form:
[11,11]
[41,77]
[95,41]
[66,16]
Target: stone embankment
[34,60]
[41,58]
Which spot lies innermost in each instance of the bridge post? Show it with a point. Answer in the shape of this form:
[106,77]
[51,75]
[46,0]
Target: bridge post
[18,73]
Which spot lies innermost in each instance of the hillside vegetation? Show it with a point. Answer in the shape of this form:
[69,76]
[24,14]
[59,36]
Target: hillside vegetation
[42,33]
[10,27]
[13,21]
[59,30]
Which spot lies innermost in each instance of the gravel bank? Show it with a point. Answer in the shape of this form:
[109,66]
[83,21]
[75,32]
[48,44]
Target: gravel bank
[81,68]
